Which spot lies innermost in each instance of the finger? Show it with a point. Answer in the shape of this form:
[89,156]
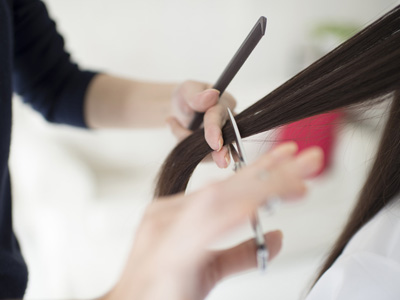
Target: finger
[310,161]
[183,96]
[260,181]
[230,202]
[177,129]
[286,177]
[227,100]
[214,118]
[243,256]
[279,153]
[285,149]
[204,100]
[307,163]
[221,158]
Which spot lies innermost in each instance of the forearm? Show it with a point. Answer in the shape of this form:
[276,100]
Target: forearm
[113,102]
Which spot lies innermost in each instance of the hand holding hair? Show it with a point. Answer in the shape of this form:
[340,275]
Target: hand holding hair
[191,97]
[170,257]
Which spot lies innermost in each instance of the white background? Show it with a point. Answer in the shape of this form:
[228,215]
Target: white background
[78,195]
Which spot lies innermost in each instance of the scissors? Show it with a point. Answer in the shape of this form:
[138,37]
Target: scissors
[239,158]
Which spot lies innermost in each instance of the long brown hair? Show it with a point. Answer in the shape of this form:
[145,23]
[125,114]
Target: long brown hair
[361,70]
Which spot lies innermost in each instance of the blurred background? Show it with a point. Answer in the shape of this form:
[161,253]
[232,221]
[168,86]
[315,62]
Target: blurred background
[79,195]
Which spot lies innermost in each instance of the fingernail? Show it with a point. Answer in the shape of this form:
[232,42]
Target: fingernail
[215,90]
[279,233]
[220,143]
[227,159]
[209,93]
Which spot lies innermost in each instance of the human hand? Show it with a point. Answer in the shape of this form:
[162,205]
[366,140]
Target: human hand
[170,257]
[191,97]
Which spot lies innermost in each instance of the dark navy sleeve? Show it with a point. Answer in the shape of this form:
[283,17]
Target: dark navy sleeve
[43,73]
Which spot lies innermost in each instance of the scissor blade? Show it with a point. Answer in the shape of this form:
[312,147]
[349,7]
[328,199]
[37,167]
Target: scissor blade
[262,250]
[238,138]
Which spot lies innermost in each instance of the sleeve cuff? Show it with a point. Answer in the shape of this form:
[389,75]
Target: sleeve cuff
[70,106]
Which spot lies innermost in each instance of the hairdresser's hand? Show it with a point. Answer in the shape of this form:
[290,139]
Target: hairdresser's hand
[191,97]
[170,257]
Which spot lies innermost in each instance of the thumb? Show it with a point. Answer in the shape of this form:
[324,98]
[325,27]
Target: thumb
[177,129]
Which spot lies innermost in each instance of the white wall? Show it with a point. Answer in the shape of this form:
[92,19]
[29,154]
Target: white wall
[176,40]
